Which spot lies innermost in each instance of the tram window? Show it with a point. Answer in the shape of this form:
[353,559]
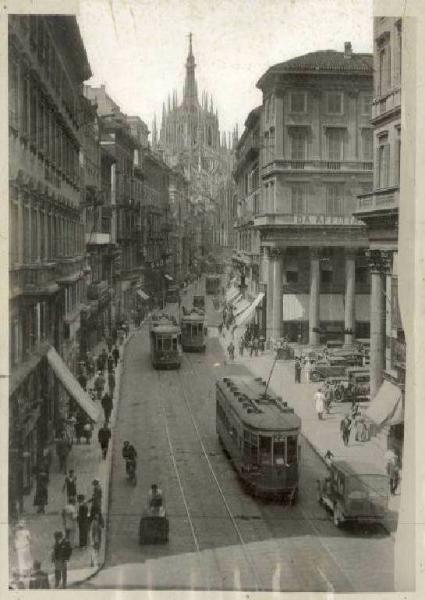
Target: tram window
[166,344]
[265,450]
[250,446]
[291,449]
[279,453]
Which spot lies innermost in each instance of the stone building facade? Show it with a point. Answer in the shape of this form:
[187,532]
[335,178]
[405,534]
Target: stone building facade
[379,210]
[47,267]
[315,158]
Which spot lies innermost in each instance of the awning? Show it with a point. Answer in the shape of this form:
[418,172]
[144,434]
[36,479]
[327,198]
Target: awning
[240,306]
[71,384]
[168,277]
[331,307]
[384,405]
[295,307]
[231,293]
[250,311]
[142,295]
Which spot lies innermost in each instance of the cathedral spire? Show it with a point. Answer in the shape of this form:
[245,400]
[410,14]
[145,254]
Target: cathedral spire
[154,133]
[190,98]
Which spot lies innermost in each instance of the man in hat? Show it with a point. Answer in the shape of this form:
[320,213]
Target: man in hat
[297,370]
[107,406]
[319,399]
[103,436]
[60,556]
[96,499]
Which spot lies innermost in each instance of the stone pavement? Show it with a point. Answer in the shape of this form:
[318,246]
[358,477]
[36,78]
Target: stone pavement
[87,462]
[321,435]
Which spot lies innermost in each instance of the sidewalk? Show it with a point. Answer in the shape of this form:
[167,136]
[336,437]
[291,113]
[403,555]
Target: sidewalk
[87,462]
[321,435]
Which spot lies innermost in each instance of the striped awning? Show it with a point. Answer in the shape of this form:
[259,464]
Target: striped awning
[384,405]
[231,293]
[71,385]
[250,311]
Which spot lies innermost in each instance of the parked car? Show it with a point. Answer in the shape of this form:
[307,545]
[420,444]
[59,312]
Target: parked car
[351,357]
[329,367]
[353,492]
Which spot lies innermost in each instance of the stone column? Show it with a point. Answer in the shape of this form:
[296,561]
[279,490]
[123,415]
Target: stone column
[377,331]
[269,296]
[350,297]
[279,128]
[276,259]
[314,309]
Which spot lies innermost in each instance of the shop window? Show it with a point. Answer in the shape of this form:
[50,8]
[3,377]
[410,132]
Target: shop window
[292,276]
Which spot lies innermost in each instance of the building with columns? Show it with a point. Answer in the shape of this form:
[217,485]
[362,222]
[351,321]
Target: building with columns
[315,158]
[379,210]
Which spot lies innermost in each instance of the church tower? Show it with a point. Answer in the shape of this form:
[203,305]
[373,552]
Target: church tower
[190,93]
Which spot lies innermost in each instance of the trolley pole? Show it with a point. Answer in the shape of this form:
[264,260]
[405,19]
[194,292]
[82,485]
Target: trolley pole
[270,375]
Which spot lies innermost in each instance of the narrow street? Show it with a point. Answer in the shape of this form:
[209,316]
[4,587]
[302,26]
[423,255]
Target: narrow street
[220,537]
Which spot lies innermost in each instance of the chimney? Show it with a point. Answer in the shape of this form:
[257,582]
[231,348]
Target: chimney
[348,51]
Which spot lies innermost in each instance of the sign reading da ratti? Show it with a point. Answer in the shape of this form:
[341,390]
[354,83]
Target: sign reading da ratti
[322,220]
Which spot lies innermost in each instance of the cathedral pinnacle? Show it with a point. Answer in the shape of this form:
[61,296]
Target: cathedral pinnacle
[190,98]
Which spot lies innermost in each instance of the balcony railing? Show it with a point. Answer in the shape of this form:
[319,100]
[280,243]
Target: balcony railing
[321,165]
[387,199]
[385,104]
[305,219]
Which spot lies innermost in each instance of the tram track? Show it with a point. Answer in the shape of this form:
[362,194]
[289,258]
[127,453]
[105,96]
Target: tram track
[204,453]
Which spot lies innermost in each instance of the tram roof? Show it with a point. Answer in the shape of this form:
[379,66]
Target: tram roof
[193,316]
[246,395]
[166,328]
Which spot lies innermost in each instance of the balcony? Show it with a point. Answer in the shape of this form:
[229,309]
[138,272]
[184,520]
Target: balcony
[318,165]
[98,239]
[379,200]
[386,104]
[33,279]
[309,220]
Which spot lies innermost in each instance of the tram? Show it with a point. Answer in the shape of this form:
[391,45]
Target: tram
[165,341]
[212,285]
[172,295]
[261,436]
[194,331]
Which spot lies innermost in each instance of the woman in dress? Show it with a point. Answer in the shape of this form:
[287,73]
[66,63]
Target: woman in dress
[23,549]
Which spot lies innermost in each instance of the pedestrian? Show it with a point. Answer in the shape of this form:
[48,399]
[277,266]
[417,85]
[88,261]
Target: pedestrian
[96,499]
[116,354]
[254,346]
[100,363]
[83,520]
[345,428]
[69,519]
[107,406]
[327,395]
[241,346]
[109,343]
[62,450]
[39,579]
[393,471]
[23,549]
[41,491]
[79,426]
[320,403]
[231,350]
[111,364]
[103,436]
[261,345]
[111,384]
[99,384]
[297,370]
[88,430]
[307,370]
[61,554]
[95,539]
[70,485]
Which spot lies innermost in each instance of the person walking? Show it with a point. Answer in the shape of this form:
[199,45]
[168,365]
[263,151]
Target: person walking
[107,406]
[69,519]
[70,485]
[241,346]
[297,367]
[99,384]
[83,521]
[95,539]
[82,380]
[231,350]
[393,471]
[23,549]
[41,497]
[88,429]
[320,403]
[62,450]
[100,363]
[116,355]
[254,347]
[109,343]
[103,436]
[111,363]
[307,370]
[39,579]
[96,499]
[61,554]
[345,429]
[111,383]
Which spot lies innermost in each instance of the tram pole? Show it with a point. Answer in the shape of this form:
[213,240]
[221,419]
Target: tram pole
[270,375]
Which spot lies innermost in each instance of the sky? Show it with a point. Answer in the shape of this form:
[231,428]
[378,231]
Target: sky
[138,48]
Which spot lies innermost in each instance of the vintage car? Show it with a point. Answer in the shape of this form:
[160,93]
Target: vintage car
[356,385]
[332,344]
[352,358]
[353,492]
[329,367]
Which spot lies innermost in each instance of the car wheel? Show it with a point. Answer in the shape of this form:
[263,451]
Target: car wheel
[338,517]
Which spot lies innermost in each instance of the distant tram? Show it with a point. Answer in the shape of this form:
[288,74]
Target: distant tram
[194,331]
[212,285]
[165,341]
[261,436]
[172,295]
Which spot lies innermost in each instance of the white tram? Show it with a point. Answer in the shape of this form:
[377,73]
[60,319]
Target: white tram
[260,434]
